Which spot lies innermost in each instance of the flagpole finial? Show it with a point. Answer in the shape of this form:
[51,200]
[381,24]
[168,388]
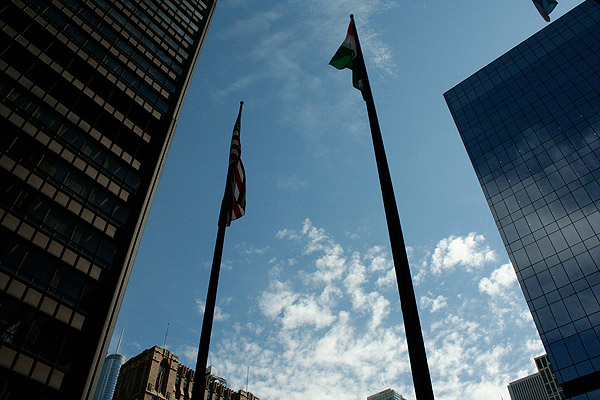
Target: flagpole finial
[241,103]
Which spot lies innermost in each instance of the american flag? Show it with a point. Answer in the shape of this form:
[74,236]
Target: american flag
[238,184]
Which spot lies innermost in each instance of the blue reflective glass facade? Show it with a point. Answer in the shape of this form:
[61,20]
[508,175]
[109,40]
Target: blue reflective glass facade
[109,376]
[530,122]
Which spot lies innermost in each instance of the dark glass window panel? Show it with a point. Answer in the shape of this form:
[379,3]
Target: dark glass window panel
[78,184]
[37,208]
[587,265]
[59,224]
[533,221]
[107,251]
[87,239]
[583,228]
[572,269]
[522,227]
[102,200]
[546,281]
[533,287]
[575,348]
[37,268]
[574,307]
[590,341]
[68,283]
[546,319]
[559,311]
[53,169]
[534,254]
[11,253]
[121,213]
[570,234]
[558,241]
[133,181]
[116,168]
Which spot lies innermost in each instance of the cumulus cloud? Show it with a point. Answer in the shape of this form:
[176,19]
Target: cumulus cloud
[469,251]
[293,310]
[330,328]
[500,280]
[434,305]
[219,314]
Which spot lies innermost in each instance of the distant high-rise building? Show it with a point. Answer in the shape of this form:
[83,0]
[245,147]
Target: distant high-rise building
[552,387]
[530,387]
[530,122]
[90,93]
[539,386]
[387,394]
[157,374]
[108,377]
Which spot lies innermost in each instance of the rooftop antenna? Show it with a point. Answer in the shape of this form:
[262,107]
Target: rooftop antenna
[119,342]
[247,373]
[166,334]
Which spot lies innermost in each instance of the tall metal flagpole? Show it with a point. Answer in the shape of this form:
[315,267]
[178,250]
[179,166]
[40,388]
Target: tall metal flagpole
[211,296]
[412,326]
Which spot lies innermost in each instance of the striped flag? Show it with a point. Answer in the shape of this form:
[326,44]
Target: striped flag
[545,7]
[238,183]
[347,57]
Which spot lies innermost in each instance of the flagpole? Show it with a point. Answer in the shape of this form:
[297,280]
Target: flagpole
[408,303]
[211,296]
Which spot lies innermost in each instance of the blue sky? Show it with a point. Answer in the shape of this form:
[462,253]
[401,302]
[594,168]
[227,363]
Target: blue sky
[307,296]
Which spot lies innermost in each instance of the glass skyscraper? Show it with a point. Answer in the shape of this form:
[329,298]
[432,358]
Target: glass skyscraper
[108,377]
[90,93]
[530,122]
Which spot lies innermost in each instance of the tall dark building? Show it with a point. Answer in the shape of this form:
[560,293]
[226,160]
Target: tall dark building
[90,94]
[530,122]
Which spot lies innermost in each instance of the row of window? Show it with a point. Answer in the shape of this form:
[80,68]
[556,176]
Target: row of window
[103,56]
[36,333]
[150,38]
[571,356]
[45,273]
[90,78]
[71,182]
[80,144]
[58,224]
[183,37]
[133,10]
[122,121]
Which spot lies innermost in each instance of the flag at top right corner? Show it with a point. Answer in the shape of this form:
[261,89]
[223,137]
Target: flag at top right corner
[545,7]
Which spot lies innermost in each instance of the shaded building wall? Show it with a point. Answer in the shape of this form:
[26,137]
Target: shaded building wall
[90,92]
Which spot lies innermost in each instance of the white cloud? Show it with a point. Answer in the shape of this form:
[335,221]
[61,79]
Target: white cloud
[500,280]
[328,327]
[434,305]
[469,251]
[292,309]
[219,315]
[291,182]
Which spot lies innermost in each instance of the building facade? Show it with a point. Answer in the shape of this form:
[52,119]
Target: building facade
[108,377]
[553,389]
[530,387]
[157,374]
[387,394]
[539,386]
[530,122]
[90,93]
